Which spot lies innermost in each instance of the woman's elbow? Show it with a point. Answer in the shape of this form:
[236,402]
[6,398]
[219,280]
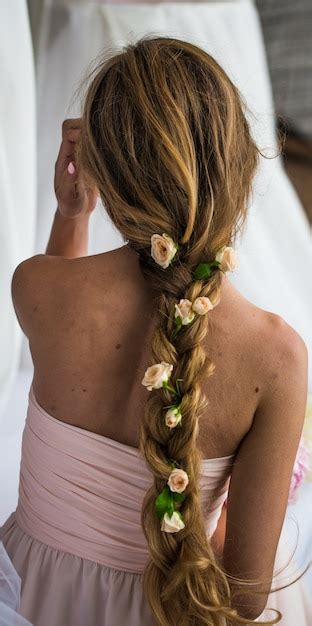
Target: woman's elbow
[249,607]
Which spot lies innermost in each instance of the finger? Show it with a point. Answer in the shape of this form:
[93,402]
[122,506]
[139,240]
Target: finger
[65,155]
[70,136]
[73,178]
[69,124]
[67,190]
[71,169]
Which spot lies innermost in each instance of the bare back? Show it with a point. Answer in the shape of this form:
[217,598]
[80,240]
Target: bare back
[90,345]
[90,322]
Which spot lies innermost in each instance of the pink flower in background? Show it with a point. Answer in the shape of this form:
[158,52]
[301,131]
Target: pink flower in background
[301,467]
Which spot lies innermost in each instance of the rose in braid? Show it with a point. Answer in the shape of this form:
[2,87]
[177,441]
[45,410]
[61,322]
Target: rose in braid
[188,549]
[191,361]
[166,143]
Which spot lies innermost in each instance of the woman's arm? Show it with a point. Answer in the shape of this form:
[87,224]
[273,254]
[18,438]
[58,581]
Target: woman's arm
[217,539]
[76,201]
[260,480]
[35,280]
[69,236]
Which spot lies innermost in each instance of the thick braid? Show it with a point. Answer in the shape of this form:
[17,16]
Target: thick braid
[182,567]
[189,586]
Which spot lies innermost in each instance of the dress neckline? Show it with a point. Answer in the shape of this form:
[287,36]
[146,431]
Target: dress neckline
[112,442]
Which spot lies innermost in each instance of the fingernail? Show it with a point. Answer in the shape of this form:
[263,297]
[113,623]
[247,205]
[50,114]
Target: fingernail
[71,168]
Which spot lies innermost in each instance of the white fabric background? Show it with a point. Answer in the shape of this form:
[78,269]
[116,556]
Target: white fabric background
[275,254]
[17,175]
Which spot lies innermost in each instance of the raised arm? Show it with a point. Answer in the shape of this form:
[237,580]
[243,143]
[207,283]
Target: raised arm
[260,481]
[69,235]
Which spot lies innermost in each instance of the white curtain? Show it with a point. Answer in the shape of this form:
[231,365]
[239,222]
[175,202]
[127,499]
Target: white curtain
[17,175]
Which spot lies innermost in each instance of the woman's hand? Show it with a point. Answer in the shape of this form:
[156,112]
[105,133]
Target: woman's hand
[73,197]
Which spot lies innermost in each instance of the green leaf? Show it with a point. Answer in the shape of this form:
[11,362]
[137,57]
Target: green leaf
[178,497]
[178,326]
[204,270]
[178,322]
[164,502]
[174,334]
[170,508]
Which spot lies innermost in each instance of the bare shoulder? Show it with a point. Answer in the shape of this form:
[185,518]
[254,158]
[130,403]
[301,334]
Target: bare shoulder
[282,333]
[36,289]
[276,349]
[35,273]
[271,324]
[282,406]
[272,346]
[285,353]
[44,287]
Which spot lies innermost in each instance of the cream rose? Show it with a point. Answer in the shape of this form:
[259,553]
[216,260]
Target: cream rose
[172,524]
[184,310]
[173,417]
[227,258]
[178,480]
[202,305]
[163,249]
[156,374]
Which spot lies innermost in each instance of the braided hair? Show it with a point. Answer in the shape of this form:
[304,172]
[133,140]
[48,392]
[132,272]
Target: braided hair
[166,142]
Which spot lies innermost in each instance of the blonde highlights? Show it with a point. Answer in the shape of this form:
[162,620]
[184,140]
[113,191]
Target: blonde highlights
[166,142]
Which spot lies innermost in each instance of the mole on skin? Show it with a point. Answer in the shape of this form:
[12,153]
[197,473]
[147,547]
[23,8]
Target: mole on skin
[118,345]
[257,389]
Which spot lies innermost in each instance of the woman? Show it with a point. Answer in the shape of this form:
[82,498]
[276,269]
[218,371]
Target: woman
[123,365]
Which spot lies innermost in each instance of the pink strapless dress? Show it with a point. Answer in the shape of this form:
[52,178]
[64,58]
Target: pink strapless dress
[76,540]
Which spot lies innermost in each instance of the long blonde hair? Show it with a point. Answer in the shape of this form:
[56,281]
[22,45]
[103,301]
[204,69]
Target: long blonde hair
[166,142]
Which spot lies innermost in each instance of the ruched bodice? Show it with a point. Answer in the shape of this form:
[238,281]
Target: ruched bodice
[81,492]
[76,540]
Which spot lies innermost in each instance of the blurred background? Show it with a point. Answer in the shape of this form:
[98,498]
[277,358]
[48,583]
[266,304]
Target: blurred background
[46,47]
